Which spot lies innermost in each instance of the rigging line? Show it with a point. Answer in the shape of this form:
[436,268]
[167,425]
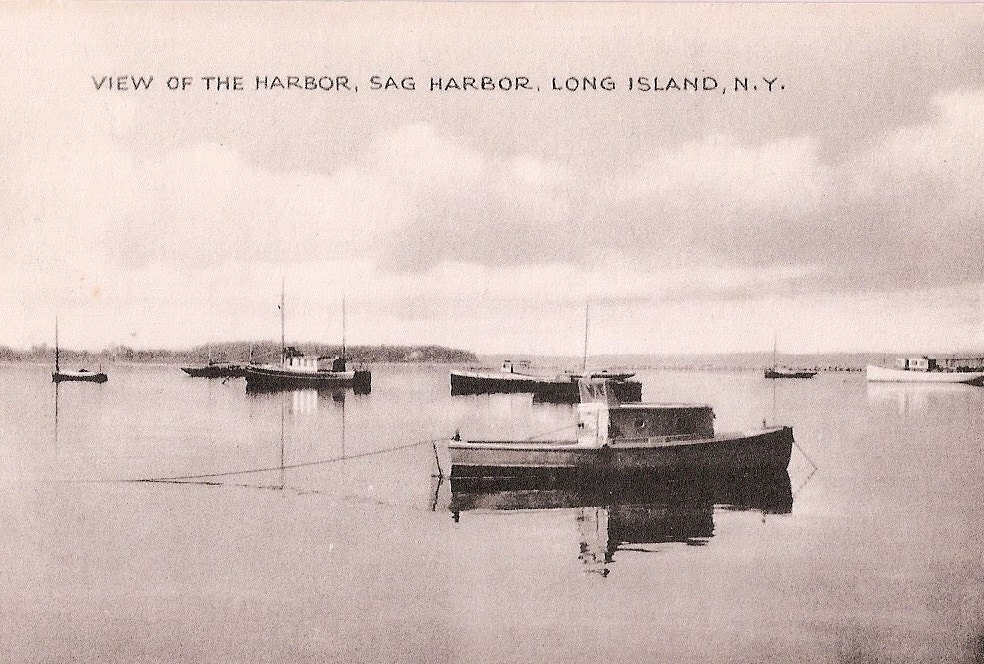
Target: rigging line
[803,483]
[547,433]
[178,478]
[350,499]
[805,455]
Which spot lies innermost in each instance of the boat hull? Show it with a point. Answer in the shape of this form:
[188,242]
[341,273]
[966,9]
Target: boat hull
[549,390]
[778,373]
[266,378]
[766,449]
[886,375]
[216,371]
[78,377]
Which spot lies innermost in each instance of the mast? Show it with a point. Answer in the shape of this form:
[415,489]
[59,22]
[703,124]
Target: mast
[775,341]
[584,359]
[56,344]
[343,328]
[283,338]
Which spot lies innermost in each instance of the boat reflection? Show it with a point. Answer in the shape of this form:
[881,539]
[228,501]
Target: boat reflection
[910,398]
[632,514]
[304,400]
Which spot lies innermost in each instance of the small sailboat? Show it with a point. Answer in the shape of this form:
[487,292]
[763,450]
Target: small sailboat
[82,375]
[776,371]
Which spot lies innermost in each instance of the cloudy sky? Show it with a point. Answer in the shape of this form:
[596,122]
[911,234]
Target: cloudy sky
[842,210]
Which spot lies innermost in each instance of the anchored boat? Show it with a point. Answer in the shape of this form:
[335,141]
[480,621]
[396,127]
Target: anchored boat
[618,438]
[299,371]
[216,369]
[562,388]
[924,370]
[776,371]
[82,375]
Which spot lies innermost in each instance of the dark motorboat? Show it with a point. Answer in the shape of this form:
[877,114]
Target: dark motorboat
[216,369]
[514,377]
[775,372]
[299,371]
[615,439]
[781,372]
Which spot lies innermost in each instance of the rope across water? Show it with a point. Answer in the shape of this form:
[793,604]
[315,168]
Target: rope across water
[304,464]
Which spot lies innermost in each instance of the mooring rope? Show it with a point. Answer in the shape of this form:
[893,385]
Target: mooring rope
[548,433]
[304,464]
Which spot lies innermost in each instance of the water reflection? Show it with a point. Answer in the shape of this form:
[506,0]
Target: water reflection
[911,398]
[304,400]
[633,514]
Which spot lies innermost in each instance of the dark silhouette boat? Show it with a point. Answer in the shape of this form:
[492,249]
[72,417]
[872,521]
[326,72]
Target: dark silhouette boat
[781,372]
[515,377]
[80,376]
[776,372]
[298,371]
[216,369]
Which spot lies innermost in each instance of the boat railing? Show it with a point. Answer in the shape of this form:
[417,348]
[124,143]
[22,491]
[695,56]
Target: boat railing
[671,438]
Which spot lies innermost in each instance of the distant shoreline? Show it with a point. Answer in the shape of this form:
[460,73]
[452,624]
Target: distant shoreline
[241,353]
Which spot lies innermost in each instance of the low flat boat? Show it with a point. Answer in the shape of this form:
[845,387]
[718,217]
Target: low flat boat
[82,375]
[922,370]
[515,377]
[216,369]
[776,372]
[617,439]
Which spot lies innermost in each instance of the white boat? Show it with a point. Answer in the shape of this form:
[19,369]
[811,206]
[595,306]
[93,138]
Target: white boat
[922,370]
[619,439]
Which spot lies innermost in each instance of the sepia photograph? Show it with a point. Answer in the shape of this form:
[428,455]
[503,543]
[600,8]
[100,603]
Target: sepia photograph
[491,332]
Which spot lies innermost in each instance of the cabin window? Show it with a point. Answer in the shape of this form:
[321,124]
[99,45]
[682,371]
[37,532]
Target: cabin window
[640,423]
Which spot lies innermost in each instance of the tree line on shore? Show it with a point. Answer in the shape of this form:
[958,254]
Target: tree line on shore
[241,352]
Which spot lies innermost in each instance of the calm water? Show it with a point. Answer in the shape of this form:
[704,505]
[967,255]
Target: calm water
[879,559]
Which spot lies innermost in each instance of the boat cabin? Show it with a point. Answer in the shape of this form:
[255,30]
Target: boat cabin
[921,363]
[305,364]
[508,366]
[602,421]
[602,425]
[302,363]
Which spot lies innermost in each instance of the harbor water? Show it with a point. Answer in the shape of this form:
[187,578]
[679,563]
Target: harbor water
[159,517]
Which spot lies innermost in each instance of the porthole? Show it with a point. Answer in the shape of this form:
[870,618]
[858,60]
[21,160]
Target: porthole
[640,423]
